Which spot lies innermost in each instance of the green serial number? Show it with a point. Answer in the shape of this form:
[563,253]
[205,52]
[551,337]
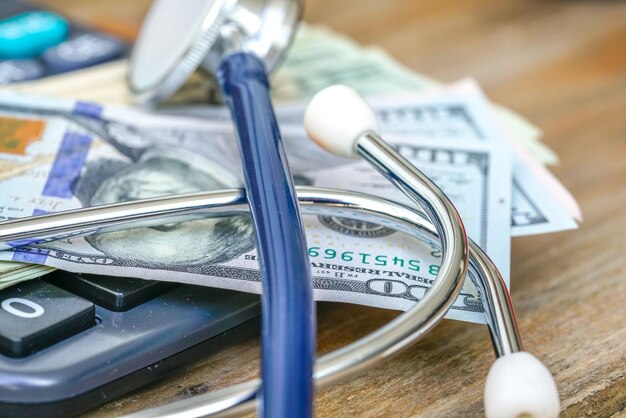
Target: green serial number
[370,259]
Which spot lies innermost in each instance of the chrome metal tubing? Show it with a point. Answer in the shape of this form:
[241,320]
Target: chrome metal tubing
[499,311]
[239,399]
[335,366]
[420,189]
[423,191]
[116,216]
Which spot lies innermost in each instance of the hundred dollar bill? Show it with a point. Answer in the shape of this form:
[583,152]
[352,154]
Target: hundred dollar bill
[463,118]
[475,176]
[59,155]
[444,115]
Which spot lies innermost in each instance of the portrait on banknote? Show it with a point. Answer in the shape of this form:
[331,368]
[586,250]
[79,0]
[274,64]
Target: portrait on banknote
[160,172]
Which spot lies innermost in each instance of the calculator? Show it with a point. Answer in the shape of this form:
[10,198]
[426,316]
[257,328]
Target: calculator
[36,43]
[70,342]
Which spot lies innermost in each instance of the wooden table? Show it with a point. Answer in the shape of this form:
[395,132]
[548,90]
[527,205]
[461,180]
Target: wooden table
[563,65]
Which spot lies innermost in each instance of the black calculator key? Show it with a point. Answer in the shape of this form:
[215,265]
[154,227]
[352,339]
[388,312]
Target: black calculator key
[35,315]
[14,71]
[117,294]
[82,50]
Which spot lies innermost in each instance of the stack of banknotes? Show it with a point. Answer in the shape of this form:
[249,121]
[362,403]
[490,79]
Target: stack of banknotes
[73,141]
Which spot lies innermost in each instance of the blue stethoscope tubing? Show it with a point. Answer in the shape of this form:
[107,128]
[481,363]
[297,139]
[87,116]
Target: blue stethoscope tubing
[288,316]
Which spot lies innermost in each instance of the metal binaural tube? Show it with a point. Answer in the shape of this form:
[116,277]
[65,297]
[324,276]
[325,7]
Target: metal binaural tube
[118,216]
[422,190]
[499,311]
[337,366]
[330,368]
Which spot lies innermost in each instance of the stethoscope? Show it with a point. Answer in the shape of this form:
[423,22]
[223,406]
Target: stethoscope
[237,42]
[517,385]
[341,121]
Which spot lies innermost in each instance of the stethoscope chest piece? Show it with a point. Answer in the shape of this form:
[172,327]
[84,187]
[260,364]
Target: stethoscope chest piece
[177,38]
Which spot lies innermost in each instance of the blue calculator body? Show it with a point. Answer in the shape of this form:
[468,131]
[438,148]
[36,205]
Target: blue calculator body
[70,342]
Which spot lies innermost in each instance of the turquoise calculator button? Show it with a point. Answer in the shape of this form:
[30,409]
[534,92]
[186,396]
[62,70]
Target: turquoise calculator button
[29,34]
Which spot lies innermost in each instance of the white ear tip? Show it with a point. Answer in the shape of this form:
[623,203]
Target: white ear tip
[519,385]
[336,117]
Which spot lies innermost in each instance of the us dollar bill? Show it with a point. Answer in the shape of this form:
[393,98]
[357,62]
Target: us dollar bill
[12,272]
[475,176]
[438,116]
[64,155]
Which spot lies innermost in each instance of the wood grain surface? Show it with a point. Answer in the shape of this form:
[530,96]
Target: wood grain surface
[563,65]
